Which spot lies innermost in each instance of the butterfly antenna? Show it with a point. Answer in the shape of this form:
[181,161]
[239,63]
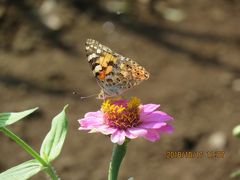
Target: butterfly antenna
[84,97]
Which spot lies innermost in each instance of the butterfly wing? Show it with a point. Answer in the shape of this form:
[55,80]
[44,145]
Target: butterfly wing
[114,73]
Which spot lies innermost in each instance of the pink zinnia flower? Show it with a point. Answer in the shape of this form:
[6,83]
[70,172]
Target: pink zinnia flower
[123,119]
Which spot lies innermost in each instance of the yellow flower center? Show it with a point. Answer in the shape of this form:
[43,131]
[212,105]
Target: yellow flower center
[121,113]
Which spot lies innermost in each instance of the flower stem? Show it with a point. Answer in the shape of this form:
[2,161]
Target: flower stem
[118,154]
[31,151]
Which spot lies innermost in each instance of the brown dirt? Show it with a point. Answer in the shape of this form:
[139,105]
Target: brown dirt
[195,71]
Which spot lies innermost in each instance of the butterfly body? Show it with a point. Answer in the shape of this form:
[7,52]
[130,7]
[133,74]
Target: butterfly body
[114,73]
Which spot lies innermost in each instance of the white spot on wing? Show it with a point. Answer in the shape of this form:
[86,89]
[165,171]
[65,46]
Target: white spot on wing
[104,48]
[98,68]
[98,51]
[92,56]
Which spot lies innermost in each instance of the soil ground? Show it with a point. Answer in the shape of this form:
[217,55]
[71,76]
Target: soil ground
[195,76]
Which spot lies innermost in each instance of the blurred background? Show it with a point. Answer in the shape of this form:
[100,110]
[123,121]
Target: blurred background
[191,49]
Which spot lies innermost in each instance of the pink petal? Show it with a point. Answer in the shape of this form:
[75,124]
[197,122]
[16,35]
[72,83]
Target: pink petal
[90,122]
[94,114]
[158,116]
[102,129]
[93,130]
[165,129]
[148,108]
[106,130]
[84,128]
[118,137]
[152,125]
[130,135]
[136,132]
[152,135]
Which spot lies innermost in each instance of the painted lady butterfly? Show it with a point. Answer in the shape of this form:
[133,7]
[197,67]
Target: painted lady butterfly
[115,73]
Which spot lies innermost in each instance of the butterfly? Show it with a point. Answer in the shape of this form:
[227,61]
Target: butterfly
[114,73]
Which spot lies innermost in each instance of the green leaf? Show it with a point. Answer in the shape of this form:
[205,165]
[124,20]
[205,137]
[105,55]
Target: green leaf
[11,117]
[22,171]
[236,131]
[53,142]
[235,174]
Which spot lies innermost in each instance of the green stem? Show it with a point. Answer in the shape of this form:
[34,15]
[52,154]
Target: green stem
[32,152]
[118,154]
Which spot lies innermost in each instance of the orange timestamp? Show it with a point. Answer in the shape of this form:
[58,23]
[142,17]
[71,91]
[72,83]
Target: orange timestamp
[194,154]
